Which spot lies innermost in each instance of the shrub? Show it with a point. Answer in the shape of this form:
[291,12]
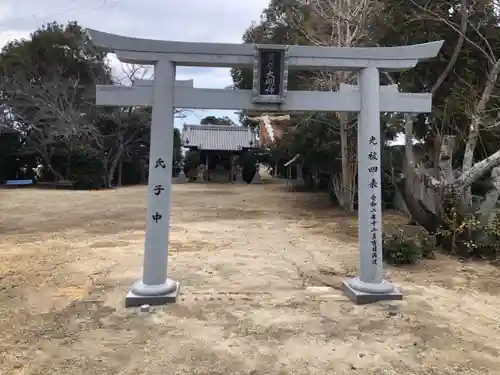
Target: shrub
[427,245]
[398,249]
[464,235]
[487,241]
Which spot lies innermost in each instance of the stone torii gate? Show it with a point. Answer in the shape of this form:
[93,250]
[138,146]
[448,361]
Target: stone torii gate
[271,64]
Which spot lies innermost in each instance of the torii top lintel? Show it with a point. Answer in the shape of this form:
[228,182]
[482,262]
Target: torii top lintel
[149,51]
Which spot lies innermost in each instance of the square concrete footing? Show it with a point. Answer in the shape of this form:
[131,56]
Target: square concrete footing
[133,300]
[363,298]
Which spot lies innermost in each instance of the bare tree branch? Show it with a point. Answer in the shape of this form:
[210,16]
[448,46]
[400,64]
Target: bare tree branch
[340,23]
[456,50]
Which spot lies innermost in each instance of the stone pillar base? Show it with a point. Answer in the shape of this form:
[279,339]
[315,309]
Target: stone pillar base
[181,178]
[363,293]
[239,179]
[257,179]
[134,299]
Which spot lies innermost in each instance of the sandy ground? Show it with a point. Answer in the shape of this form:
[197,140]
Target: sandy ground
[246,256]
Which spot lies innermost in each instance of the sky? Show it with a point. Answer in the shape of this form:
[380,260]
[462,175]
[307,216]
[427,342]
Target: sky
[222,21]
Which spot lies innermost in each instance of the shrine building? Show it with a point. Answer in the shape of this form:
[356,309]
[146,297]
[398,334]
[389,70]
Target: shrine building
[218,147]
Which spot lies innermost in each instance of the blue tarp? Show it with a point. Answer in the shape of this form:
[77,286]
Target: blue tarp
[18,182]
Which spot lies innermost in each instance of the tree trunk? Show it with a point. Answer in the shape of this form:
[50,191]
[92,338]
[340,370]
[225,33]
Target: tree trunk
[476,122]
[56,174]
[416,208]
[47,160]
[419,213]
[112,167]
[446,157]
[119,181]
[445,171]
[478,169]
[345,185]
[487,211]
[68,167]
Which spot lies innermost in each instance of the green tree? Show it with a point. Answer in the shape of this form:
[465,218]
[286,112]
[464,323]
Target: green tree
[212,120]
[47,89]
[460,134]
[13,164]
[177,157]
[47,82]
[296,22]
[277,26]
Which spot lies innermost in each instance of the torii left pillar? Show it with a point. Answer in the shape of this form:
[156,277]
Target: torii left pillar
[155,288]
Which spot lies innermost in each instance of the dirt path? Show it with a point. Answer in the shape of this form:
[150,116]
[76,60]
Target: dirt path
[244,255]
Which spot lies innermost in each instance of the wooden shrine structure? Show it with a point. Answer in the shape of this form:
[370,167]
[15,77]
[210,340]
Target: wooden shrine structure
[218,147]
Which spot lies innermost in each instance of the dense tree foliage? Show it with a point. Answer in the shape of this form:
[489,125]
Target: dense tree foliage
[213,120]
[49,121]
[458,142]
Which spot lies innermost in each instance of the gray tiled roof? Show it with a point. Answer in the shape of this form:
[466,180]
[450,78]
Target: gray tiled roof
[218,137]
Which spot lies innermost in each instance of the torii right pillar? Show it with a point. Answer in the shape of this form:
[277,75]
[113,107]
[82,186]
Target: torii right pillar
[369,286]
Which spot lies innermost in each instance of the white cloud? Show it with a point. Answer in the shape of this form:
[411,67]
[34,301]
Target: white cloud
[8,35]
[189,20]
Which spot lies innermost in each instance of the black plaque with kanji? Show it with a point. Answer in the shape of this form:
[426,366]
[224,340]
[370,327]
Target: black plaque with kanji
[271,72]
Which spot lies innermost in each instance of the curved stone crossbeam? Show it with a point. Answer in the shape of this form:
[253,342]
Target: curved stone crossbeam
[149,51]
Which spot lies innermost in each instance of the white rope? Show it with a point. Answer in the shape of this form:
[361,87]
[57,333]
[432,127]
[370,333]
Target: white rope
[266,120]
